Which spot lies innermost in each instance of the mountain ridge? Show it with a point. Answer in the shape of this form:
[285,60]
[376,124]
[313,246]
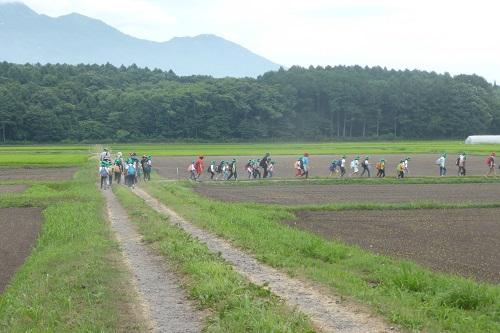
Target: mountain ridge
[75,38]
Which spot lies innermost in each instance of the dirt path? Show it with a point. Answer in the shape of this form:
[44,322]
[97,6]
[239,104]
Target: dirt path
[327,312]
[164,301]
[459,241]
[325,194]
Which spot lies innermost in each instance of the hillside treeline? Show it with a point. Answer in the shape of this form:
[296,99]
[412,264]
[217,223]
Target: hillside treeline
[43,103]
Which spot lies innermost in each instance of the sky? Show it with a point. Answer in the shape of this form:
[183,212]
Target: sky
[458,37]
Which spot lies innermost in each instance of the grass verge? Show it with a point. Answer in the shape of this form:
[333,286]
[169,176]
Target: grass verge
[322,148]
[235,304]
[74,280]
[357,181]
[405,293]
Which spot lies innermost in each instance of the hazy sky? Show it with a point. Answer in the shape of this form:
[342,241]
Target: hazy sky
[440,35]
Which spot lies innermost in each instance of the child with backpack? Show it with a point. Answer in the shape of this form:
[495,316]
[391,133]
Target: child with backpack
[400,169]
[406,169]
[354,166]
[366,167]
[333,168]
[490,162]
[441,162]
[212,170]
[298,168]
[342,166]
[270,169]
[380,166]
[232,170]
[104,173]
[131,173]
[117,170]
[461,164]
[192,171]
[147,166]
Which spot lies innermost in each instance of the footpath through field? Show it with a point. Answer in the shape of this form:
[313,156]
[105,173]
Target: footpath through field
[327,312]
[165,302]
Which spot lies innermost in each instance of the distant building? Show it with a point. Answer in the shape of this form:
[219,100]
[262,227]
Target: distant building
[477,139]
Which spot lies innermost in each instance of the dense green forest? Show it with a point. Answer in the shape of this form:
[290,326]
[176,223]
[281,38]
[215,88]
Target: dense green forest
[42,103]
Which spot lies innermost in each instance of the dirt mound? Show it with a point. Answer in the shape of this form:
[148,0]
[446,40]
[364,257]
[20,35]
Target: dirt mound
[19,228]
[461,241]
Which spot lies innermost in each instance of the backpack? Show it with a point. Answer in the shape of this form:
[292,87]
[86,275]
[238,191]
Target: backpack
[131,170]
[103,172]
[438,161]
[117,169]
[488,161]
[378,166]
[458,161]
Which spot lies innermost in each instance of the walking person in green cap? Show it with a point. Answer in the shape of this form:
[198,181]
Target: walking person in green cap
[354,166]
[366,167]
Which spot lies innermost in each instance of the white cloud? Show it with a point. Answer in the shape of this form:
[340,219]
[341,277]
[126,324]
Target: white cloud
[445,36]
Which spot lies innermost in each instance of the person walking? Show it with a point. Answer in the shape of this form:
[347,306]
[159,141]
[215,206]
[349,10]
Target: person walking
[441,162]
[354,166]
[104,173]
[366,167]
[380,166]
[232,170]
[406,169]
[305,165]
[104,155]
[342,166]
[461,164]
[117,170]
[198,166]
[264,164]
[490,162]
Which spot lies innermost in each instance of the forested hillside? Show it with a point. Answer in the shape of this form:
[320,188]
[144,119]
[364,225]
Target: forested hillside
[92,102]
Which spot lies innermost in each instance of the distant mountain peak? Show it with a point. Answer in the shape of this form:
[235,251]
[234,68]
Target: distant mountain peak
[76,38]
[17,9]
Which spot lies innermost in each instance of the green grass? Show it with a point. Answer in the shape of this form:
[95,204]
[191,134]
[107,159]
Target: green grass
[331,148]
[356,181]
[405,293]
[74,280]
[235,305]
[44,155]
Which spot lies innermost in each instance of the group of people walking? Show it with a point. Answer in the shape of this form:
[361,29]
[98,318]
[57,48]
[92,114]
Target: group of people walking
[131,169]
[227,170]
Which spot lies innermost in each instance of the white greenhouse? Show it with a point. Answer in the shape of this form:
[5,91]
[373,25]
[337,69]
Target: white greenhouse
[477,139]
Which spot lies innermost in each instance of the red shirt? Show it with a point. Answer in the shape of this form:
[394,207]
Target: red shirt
[198,166]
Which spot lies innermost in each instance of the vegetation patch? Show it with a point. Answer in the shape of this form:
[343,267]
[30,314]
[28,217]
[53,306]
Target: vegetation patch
[235,304]
[405,293]
[74,279]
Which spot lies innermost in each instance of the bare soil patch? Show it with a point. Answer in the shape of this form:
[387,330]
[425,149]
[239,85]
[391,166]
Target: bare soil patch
[37,173]
[12,188]
[327,194]
[420,165]
[459,241]
[19,228]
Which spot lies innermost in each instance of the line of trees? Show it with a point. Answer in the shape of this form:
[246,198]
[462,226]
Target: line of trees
[52,103]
